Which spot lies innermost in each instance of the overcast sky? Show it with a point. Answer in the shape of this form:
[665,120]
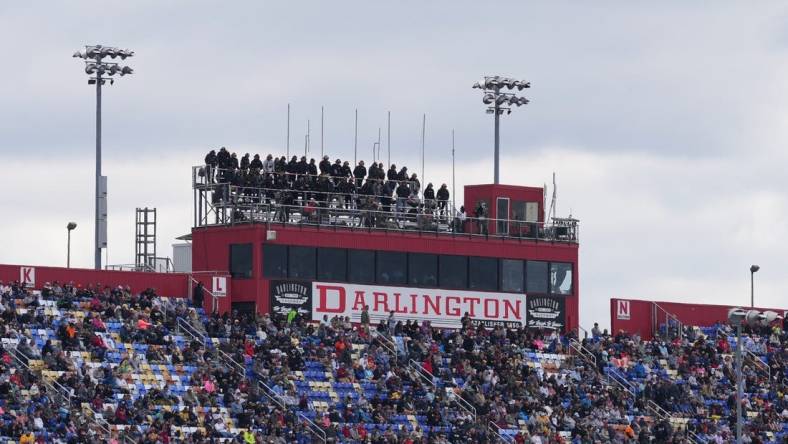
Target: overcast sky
[665,122]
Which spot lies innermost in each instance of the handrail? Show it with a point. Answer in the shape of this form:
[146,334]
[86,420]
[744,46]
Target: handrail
[663,414]
[463,403]
[759,364]
[613,375]
[584,353]
[387,343]
[668,317]
[493,427]
[422,372]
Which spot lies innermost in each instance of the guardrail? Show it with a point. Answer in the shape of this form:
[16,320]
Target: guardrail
[387,344]
[758,363]
[583,352]
[621,380]
[234,204]
[496,431]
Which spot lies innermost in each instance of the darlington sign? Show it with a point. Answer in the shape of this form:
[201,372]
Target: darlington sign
[443,308]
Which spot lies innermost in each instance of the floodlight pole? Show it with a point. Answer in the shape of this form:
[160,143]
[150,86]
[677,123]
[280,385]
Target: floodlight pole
[497,137]
[97,251]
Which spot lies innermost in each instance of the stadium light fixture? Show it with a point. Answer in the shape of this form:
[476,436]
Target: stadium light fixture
[754,318]
[101,71]
[499,102]
[69,227]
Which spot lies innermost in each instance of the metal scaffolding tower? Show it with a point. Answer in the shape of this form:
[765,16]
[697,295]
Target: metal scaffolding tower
[145,239]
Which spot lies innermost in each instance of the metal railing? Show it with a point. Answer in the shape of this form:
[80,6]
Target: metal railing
[185,326]
[214,298]
[430,379]
[668,316]
[496,431]
[584,353]
[758,363]
[234,204]
[387,344]
[621,380]
[663,414]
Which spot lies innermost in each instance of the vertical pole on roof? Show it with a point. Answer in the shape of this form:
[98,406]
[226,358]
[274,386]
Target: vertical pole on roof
[355,140]
[497,135]
[388,138]
[423,131]
[287,150]
[321,132]
[453,194]
[306,140]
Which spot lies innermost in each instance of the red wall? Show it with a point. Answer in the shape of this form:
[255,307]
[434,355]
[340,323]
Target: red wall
[166,284]
[489,193]
[210,251]
[644,316]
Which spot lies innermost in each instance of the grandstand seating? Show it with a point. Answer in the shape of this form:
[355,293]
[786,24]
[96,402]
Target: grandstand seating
[82,365]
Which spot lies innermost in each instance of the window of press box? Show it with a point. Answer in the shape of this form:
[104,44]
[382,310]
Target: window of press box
[361,266]
[536,277]
[302,263]
[274,261]
[512,275]
[391,268]
[423,270]
[560,278]
[453,272]
[483,273]
[241,261]
[331,264]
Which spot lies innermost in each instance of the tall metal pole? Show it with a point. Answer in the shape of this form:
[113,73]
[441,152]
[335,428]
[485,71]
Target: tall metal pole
[306,141]
[355,140]
[287,151]
[497,136]
[388,138]
[453,195]
[738,383]
[97,251]
[752,288]
[321,132]
[423,131]
[68,250]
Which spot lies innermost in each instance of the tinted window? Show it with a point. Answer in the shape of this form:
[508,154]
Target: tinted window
[512,275]
[536,277]
[391,268]
[331,264]
[560,278]
[241,260]
[483,273]
[453,272]
[423,270]
[361,266]
[301,263]
[274,260]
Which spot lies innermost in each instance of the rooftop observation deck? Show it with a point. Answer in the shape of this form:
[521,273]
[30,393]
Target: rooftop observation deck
[223,198]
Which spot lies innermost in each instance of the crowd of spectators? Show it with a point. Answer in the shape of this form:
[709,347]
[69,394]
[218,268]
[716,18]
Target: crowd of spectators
[380,195]
[125,363]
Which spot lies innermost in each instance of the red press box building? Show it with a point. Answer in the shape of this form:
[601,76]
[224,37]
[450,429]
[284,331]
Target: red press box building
[510,268]
[646,318]
[254,253]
